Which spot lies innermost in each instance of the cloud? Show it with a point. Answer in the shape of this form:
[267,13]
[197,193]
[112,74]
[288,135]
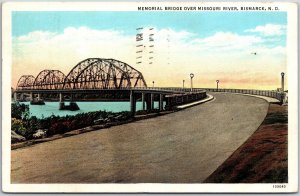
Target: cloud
[175,53]
[228,41]
[36,36]
[73,44]
[278,50]
[269,30]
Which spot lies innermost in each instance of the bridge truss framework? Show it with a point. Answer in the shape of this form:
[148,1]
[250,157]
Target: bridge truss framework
[91,73]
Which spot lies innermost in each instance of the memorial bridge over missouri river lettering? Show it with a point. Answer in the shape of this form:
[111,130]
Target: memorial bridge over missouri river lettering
[110,79]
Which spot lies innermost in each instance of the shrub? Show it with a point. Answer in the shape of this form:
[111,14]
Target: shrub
[58,127]
[26,127]
[18,126]
[19,111]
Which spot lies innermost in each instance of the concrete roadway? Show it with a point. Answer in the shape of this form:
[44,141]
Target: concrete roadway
[182,147]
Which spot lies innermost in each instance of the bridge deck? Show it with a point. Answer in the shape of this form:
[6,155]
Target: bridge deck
[140,90]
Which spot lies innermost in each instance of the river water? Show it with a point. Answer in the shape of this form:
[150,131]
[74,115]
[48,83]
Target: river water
[51,108]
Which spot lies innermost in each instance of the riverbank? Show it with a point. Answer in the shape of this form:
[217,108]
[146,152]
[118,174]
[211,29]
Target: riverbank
[85,130]
[263,158]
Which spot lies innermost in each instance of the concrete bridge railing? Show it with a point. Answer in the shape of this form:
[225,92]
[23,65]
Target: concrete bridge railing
[267,93]
[163,89]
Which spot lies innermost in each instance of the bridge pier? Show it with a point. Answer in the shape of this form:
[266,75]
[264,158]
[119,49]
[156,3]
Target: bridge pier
[71,98]
[61,102]
[132,103]
[168,103]
[161,101]
[15,97]
[61,97]
[72,106]
[36,101]
[22,97]
[30,96]
[151,101]
[61,106]
[143,101]
[148,102]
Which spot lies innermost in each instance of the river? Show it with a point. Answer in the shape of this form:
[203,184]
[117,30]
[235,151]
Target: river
[51,108]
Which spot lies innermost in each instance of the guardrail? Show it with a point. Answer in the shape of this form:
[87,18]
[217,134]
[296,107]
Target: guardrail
[175,89]
[267,93]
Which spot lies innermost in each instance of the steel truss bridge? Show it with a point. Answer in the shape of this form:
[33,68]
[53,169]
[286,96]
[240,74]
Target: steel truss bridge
[109,76]
[92,73]
[96,76]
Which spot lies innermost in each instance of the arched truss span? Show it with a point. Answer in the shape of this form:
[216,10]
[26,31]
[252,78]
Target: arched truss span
[136,77]
[25,82]
[97,73]
[49,79]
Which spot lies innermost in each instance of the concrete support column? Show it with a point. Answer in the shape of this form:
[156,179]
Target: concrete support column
[161,102]
[22,97]
[30,97]
[167,103]
[61,97]
[143,101]
[15,96]
[152,101]
[72,106]
[148,102]
[132,103]
[39,96]
[61,105]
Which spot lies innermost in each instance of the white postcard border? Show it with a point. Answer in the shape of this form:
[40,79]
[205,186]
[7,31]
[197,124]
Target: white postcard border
[292,52]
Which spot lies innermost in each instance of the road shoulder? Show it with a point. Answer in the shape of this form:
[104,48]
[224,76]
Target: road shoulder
[263,157]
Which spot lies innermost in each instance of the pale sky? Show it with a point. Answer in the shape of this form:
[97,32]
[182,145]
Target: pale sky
[212,45]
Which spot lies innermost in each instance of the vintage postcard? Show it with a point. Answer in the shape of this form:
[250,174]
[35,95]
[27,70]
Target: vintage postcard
[150,97]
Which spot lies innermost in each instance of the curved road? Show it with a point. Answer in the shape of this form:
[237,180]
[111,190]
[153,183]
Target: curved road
[181,147]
